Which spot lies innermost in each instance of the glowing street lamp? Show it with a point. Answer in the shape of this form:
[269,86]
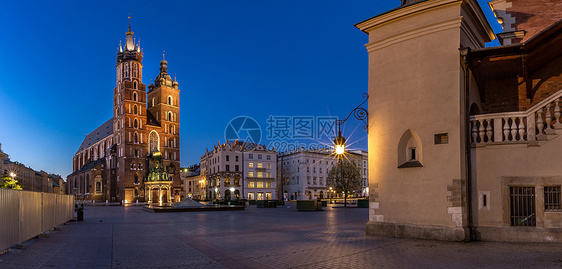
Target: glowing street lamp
[339,143]
[13,175]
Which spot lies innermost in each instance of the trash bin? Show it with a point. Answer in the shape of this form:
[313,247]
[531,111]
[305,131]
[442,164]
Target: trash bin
[80,214]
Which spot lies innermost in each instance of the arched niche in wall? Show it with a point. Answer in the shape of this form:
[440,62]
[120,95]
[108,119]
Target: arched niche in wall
[410,150]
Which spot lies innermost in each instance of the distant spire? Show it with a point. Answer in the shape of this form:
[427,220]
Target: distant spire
[129,45]
[164,55]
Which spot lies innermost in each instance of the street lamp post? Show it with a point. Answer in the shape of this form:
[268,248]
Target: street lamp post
[359,113]
[339,143]
[13,175]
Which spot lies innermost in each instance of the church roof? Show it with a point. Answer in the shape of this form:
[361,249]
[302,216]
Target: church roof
[151,120]
[98,134]
[89,166]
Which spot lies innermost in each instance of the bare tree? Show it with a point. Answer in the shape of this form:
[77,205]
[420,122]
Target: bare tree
[347,179]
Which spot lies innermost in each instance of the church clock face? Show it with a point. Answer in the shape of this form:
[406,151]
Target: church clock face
[153,142]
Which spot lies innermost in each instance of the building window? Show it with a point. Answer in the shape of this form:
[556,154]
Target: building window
[154,142]
[227,158]
[250,174]
[251,185]
[250,156]
[250,165]
[251,196]
[227,167]
[552,199]
[98,186]
[522,202]
[259,185]
[268,166]
[441,139]
[259,156]
[268,157]
[135,94]
[236,168]
[260,174]
[260,165]
[170,100]
[236,158]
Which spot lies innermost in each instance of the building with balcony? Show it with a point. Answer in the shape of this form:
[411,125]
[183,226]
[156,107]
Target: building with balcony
[234,171]
[463,138]
[303,173]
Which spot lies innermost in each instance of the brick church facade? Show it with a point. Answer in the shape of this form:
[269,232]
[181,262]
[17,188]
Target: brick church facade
[114,161]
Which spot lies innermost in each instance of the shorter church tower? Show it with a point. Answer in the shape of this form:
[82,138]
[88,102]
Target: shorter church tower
[163,123]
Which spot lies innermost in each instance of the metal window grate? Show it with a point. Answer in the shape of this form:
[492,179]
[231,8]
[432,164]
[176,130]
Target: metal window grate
[522,206]
[552,199]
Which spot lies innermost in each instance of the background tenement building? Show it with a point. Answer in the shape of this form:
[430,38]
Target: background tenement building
[114,160]
[303,173]
[222,169]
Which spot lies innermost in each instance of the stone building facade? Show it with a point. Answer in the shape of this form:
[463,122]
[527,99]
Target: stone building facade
[235,171]
[303,173]
[463,138]
[113,161]
[192,183]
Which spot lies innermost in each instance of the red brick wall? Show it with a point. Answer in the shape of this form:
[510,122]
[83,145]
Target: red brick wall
[534,15]
[504,86]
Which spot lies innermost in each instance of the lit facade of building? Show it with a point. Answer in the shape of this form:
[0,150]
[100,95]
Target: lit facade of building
[304,173]
[193,184]
[31,180]
[114,161]
[222,168]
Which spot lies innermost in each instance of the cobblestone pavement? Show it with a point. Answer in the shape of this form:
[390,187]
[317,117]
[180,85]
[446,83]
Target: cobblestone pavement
[130,237]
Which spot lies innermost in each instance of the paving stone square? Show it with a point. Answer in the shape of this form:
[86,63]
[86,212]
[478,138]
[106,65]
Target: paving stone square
[282,237]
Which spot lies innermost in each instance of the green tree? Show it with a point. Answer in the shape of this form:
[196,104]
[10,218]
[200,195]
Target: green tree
[347,179]
[8,183]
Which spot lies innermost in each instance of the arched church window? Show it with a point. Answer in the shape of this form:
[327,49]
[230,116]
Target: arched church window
[153,101]
[135,94]
[170,100]
[136,179]
[136,136]
[136,123]
[135,69]
[170,116]
[135,110]
[126,70]
[87,183]
[98,186]
[135,86]
[154,142]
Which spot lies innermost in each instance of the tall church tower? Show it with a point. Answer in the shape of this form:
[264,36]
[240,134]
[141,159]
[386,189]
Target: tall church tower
[129,119]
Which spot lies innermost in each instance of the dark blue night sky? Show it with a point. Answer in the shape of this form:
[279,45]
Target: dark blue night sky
[231,58]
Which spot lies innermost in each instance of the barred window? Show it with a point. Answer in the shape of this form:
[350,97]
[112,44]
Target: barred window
[522,206]
[552,198]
